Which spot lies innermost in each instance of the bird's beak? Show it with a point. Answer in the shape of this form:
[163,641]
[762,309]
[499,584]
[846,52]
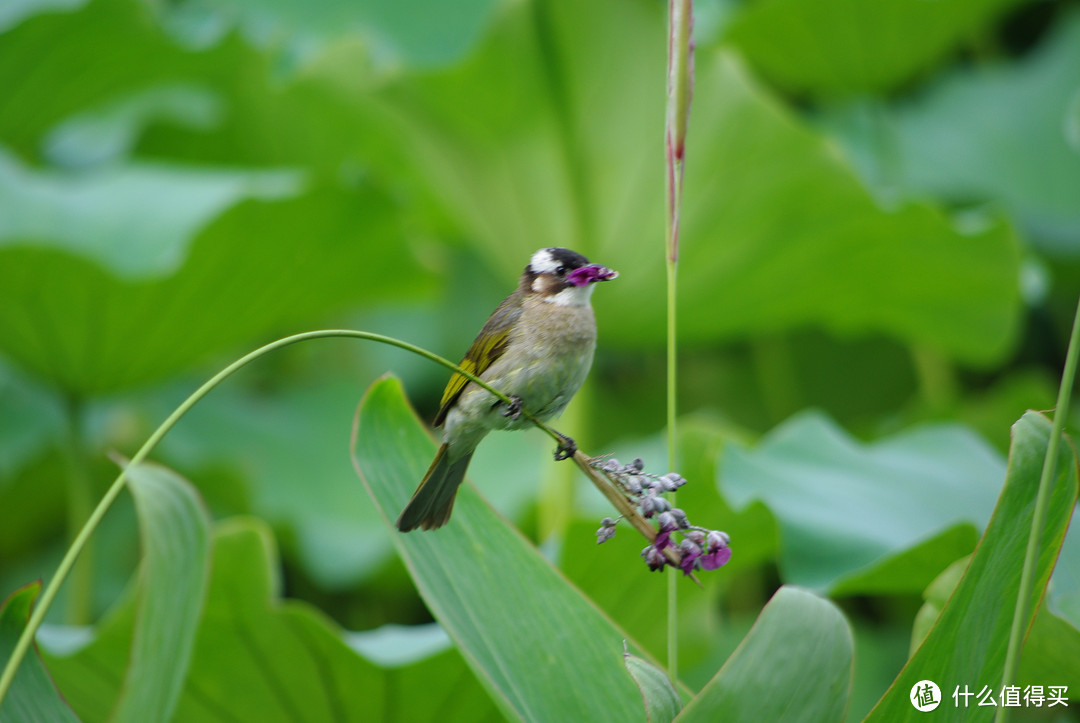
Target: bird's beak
[588,274]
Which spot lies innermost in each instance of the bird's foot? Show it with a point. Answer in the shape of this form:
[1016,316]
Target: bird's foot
[567,448]
[513,409]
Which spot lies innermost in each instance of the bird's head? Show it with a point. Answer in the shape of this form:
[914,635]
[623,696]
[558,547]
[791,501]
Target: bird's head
[563,277]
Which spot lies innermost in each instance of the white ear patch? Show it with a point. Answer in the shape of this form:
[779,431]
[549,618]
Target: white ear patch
[542,262]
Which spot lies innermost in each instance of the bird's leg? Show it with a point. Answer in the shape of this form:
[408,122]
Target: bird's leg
[566,449]
[513,409]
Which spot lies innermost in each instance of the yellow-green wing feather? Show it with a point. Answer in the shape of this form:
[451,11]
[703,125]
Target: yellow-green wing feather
[489,345]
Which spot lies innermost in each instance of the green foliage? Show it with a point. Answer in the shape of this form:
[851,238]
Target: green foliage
[175,535]
[529,636]
[845,46]
[878,242]
[968,641]
[846,508]
[247,266]
[1028,114]
[256,655]
[661,701]
[33,697]
[795,662]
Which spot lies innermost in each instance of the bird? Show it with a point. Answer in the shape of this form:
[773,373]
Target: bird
[536,347]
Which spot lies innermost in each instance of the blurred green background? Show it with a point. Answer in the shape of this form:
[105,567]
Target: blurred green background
[881,231]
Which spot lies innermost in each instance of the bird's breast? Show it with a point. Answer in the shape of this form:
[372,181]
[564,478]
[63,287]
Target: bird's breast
[547,358]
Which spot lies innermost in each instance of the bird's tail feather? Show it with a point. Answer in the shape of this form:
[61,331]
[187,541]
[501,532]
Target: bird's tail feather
[433,500]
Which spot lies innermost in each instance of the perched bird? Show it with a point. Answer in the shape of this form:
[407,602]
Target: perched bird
[536,348]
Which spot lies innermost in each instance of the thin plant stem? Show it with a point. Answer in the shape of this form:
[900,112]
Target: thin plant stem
[680,81]
[672,379]
[1038,519]
[625,508]
[82,538]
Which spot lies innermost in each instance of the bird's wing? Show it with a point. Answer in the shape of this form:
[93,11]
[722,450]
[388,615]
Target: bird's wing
[489,345]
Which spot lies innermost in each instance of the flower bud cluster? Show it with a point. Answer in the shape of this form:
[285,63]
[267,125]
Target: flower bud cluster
[698,547]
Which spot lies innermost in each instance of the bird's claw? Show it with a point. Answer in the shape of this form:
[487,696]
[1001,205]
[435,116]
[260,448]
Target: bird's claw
[567,448]
[513,409]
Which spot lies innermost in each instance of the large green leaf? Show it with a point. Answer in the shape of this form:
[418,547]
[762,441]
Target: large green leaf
[886,516]
[414,32]
[232,110]
[1052,646]
[1023,153]
[779,233]
[967,644]
[531,638]
[849,46]
[150,639]
[795,665]
[261,658]
[136,221]
[32,696]
[530,141]
[771,213]
[257,267]
[175,534]
[190,259]
[257,656]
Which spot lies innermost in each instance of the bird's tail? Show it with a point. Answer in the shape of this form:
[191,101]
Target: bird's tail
[433,500]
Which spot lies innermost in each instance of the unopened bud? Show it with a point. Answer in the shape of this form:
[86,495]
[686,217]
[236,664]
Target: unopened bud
[689,547]
[672,481]
[654,558]
[717,540]
[667,521]
[649,506]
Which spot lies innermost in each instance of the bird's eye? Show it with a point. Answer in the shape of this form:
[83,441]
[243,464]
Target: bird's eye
[561,271]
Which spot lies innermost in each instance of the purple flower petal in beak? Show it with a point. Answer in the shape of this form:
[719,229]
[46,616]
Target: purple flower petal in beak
[588,274]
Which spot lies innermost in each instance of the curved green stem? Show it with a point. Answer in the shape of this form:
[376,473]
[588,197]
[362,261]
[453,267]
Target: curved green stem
[81,540]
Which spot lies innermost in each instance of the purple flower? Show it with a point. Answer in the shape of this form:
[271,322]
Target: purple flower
[690,553]
[668,525]
[713,560]
[654,558]
[718,551]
